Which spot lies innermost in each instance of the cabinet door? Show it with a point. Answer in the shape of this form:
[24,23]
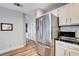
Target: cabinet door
[62,18]
[74,13]
[74,53]
[62,21]
[64,15]
[66,53]
[59,51]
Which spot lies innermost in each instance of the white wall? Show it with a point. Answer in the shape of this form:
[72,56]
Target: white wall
[12,39]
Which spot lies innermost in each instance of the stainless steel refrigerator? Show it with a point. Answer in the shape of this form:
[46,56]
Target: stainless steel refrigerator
[46,31]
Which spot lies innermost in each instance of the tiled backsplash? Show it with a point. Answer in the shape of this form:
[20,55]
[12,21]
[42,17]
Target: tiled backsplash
[70,28]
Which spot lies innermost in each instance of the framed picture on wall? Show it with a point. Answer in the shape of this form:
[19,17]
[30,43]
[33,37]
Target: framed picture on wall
[6,27]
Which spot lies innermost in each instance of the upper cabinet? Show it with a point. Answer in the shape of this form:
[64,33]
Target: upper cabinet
[64,15]
[68,14]
[74,13]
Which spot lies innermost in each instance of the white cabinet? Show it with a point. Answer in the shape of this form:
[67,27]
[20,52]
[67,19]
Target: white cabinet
[62,21]
[66,52]
[59,51]
[66,49]
[69,14]
[73,53]
[58,13]
[64,15]
[74,13]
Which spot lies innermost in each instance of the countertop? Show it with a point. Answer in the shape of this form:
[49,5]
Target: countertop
[72,42]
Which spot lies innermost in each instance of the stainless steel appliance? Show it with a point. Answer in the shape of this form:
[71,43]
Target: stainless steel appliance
[67,36]
[46,31]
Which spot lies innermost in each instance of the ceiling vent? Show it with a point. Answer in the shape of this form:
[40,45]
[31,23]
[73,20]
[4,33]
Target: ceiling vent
[18,4]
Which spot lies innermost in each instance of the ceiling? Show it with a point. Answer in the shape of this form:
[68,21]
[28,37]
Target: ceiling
[28,8]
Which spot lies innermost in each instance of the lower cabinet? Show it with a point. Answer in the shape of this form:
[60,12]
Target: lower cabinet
[73,53]
[61,50]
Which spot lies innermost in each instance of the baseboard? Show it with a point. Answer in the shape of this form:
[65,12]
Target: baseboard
[10,49]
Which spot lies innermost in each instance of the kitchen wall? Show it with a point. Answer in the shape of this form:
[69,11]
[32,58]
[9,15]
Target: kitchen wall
[10,40]
[70,28]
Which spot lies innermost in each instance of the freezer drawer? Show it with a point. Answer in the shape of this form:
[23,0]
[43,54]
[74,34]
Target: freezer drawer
[43,50]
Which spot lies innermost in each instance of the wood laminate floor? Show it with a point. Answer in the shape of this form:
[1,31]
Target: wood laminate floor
[29,50]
